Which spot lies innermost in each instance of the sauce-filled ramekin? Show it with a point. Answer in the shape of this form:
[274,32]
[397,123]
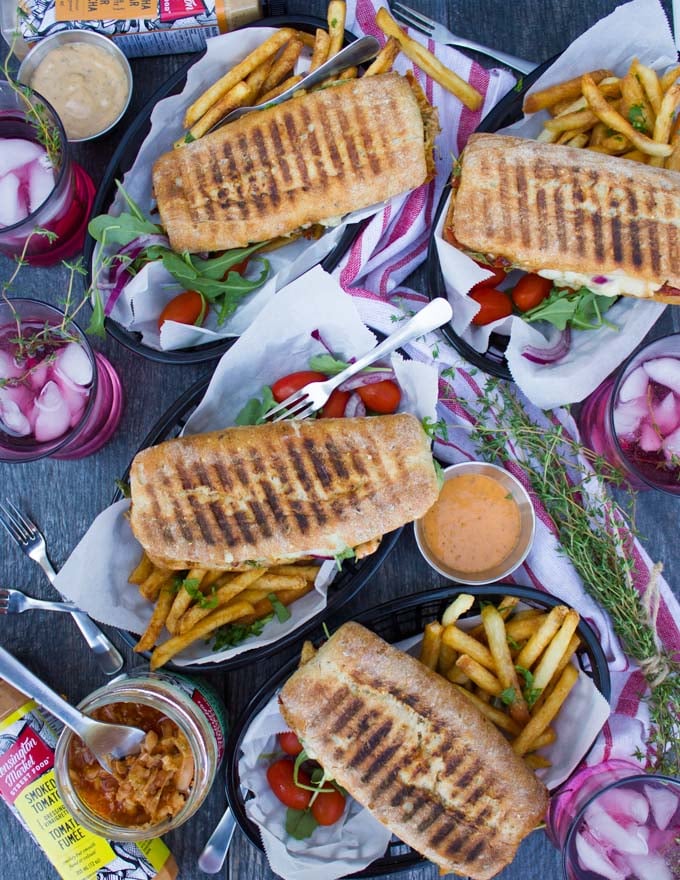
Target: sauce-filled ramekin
[189,706]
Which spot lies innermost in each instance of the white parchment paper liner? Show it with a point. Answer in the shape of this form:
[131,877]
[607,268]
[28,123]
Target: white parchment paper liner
[143,299]
[278,342]
[637,29]
[360,839]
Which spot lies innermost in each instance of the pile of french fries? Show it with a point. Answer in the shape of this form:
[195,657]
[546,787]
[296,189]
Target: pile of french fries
[515,666]
[192,605]
[269,70]
[632,116]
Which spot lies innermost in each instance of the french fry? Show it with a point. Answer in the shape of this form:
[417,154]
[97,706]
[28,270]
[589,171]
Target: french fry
[429,649]
[555,650]
[666,114]
[538,723]
[547,137]
[235,98]
[547,738]
[539,641]
[457,608]
[578,139]
[505,608]
[673,161]
[480,675]
[274,93]
[447,658]
[183,599]
[385,58]
[219,617]
[570,121]
[253,595]
[428,63]
[322,43]
[275,583]
[151,586]
[236,75]
[615,120]
[306,39]
[569,90]
[506,673]
[500,719]
[521,628]
[536,762]
[191,616]
[634,104]
[598,134]
[638,156]
[669,78]
[256,79]
[155,625]
[456,676]
[308,572]
[465,644]
[283,65]
[141,571]
[336,14]
[615,144]
[650,83]
[574,642]
[307,653]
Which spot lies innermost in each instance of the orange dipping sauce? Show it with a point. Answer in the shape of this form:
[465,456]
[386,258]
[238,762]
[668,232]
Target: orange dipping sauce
[474,524]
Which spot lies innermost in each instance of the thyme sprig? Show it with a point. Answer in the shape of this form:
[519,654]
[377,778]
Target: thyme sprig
[570,480]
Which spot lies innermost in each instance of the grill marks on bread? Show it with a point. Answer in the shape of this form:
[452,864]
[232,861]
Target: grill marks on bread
[289,489]
[554,207]
[311,158]
[412,750]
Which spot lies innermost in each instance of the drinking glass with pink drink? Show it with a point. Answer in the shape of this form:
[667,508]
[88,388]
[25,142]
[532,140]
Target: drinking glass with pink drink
[40,187]
[58,397]
[633,418]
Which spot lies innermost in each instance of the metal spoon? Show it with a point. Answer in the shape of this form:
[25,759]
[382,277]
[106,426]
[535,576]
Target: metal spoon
[215,851]
[357,52]
[103,740]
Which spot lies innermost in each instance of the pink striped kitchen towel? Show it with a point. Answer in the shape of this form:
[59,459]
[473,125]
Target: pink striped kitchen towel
[389,248]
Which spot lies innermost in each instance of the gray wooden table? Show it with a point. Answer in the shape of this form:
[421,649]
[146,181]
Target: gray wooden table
[64,497]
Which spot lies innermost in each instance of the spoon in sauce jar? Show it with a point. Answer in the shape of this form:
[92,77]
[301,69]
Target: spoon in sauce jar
[105,741]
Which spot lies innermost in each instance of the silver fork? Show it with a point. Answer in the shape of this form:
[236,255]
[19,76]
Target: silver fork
[15,602]
[441,34]
[29,538]
[312,397]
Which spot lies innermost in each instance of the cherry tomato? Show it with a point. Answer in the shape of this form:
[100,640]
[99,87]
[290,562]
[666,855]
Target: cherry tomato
[496,278]
[238,267]
[282,783]
[287,385]
[380,397]
[335,406]
[289,742]
[328,807]
[186,308]
[494,305]
[530,291]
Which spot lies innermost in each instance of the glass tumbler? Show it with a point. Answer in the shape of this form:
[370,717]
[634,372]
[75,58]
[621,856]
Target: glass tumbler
[58,397]
[40,186]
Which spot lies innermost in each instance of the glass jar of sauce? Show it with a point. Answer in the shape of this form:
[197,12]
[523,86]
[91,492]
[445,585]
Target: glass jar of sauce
[186,731]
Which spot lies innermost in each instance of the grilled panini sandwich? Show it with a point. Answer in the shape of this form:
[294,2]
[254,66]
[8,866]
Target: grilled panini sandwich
[308,160]
[578,217]
[413,751]
[279,492]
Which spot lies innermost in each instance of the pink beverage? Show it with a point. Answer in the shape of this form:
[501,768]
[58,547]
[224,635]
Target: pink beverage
[634,420]
[57,398]
[631,829]
[40,187]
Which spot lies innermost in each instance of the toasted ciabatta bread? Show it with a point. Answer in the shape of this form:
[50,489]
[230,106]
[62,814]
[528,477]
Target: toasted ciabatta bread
[415,752]
[544,207]
[310,159]
[278,492]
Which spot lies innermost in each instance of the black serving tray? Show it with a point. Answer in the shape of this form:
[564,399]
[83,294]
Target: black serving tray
[393,621]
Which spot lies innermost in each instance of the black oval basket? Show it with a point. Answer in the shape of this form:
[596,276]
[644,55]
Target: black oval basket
[394,621]
[492,361]
[122,160]
[353,577]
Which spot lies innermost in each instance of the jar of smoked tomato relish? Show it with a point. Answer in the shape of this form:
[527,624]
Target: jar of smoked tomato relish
[158,789]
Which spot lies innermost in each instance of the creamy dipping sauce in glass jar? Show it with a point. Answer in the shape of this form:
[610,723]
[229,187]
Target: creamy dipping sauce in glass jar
[86,85]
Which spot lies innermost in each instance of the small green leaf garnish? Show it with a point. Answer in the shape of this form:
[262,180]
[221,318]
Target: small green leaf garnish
[347,553]
[508,696]
[280,610]
[300,824]
[439,473]
[582,309]
[435,429]
[233,634]
[637,118]
[254,411]
[123,487]
[191,585]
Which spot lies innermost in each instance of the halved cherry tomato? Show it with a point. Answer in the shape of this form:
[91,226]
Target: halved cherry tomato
[381,397]
[328,807]
[185,308]
[289,742]
[496,278]
[494,305]
[237,267]
[530,291]
[282,783]
[335,405]
[287,385]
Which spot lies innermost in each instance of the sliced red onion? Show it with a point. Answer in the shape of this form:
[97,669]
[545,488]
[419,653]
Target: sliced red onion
[549,355]
[362,379]
[600,279]
[354,406]
[118,272]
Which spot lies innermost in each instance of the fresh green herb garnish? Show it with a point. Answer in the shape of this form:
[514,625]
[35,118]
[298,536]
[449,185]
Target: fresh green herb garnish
[637,118]
[331,366]
[512,643]
[508,696]
[280,610]
[530,693]
[191,585]
[582,309]
[439,473]
[347,553]
[434,429]
[123,487]
[189,138]
[233,634]
[256,409]
[519,85]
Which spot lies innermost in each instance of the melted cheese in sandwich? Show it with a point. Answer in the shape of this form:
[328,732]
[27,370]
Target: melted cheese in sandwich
[615,283]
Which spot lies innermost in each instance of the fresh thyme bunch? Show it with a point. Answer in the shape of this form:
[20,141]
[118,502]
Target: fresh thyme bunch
[570,481]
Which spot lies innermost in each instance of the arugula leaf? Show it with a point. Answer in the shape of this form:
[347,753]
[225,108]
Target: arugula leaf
[96,325]
[280,610]
[234,633]
[120,230]
[123,487]
[439,472]
[582,309]
[215,267]
[300,824]
[191,585]
[347,553]
[326,363]
[431,428]
[254,411]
